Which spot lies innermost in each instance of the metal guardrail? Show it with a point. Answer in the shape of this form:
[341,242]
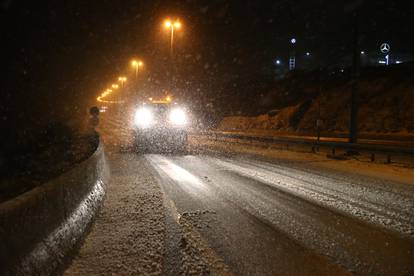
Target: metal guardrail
[374,148]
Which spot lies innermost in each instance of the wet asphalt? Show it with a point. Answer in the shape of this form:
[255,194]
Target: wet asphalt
[267,218]
[248,216]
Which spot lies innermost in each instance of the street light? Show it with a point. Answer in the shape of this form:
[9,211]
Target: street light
[122,80]
[176,25]
[292,54]
[136,64]
[115,86]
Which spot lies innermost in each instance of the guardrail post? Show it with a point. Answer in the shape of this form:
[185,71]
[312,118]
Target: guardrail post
[372,157]
[333,151]
[388,158]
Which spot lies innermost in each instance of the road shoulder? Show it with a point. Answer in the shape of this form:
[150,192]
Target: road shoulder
[129,234]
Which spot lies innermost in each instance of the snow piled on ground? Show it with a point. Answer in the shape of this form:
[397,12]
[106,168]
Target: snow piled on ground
[280,120]
[128,236]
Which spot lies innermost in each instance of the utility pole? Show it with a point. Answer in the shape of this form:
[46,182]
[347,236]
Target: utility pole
[354,7]
[318,119]
[356,68]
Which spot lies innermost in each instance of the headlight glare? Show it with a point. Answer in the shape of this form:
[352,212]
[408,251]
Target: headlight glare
[143,117]
[178,116]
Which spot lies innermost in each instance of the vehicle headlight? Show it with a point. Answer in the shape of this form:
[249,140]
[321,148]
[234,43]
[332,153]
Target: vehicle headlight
[178,117]
[143,117]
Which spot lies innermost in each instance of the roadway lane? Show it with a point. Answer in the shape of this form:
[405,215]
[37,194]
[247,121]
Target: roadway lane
[257,217]
[238,214]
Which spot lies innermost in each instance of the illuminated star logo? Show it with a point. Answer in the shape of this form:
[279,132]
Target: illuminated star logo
[385,48]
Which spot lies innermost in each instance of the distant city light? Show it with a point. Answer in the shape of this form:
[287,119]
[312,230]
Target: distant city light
[293,40]
[308,53]
[381,62]
[278,61]
[362,52]
[398,61]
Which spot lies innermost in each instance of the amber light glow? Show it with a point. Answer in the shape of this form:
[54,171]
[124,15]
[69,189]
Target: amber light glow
[136,64]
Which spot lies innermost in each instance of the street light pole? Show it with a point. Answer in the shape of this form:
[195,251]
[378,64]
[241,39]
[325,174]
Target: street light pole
[136,64]
[122,80]
[172,41]
[172,25]
[176,25]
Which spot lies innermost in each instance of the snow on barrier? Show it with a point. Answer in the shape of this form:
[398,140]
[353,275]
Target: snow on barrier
[41,228]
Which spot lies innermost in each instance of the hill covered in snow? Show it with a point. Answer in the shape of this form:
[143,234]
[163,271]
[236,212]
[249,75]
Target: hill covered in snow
[295,103]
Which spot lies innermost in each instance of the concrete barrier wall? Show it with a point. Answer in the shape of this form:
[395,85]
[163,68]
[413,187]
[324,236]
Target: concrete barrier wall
[40,229]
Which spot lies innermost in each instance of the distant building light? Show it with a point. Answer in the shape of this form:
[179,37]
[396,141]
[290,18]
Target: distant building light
[293,40]
[308,53]
[278,61]
[398,62]
[342,70]
[362,52]
[381,62]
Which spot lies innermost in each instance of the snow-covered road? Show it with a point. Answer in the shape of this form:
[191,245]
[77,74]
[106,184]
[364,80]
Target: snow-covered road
[266,218]
[209,212]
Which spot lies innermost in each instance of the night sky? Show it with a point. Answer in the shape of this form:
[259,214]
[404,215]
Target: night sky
[59,55]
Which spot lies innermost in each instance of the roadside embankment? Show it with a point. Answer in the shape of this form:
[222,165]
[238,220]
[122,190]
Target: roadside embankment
[300,103]
[40,228]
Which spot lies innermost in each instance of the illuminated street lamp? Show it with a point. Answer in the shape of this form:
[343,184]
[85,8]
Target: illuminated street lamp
[136,64]
[292,55]
[115,86]
[176,25]
[122,80]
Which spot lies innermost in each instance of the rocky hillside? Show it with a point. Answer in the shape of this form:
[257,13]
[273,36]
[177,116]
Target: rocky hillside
[386,104]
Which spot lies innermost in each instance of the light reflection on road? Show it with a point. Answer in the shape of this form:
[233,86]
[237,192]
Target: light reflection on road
[188,181]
